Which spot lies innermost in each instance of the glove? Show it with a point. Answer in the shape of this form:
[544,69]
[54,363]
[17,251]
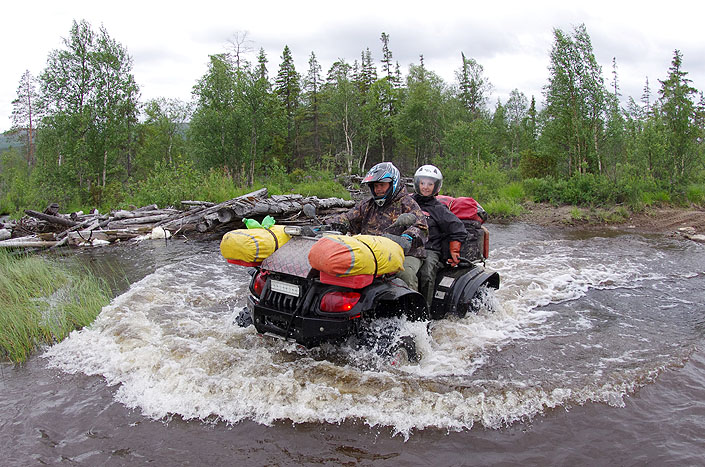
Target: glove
[335,226]
[454,253]
[403,240]
[404,221]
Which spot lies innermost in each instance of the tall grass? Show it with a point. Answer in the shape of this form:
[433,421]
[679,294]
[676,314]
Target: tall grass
[42,301]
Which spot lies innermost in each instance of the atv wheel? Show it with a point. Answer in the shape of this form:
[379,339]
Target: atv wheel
[403,352]
[244,318]
[482,300]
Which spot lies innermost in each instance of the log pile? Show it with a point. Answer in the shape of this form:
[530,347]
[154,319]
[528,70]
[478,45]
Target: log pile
[51,229]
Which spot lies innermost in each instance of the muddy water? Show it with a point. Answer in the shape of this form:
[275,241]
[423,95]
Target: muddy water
[593,354]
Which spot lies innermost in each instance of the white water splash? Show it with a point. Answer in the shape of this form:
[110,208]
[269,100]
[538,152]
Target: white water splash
[171,346]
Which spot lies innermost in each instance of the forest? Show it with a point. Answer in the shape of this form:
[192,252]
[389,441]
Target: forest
[81,136]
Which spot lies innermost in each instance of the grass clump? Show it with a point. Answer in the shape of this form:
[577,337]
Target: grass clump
[502,208]
[41,302]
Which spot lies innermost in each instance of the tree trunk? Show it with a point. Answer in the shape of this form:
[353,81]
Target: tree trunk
[51,219]
[105,165]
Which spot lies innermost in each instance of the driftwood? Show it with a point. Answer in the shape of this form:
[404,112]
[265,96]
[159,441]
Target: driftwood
[119,224]
[278,206]
[51,229]
[87,236]
[50,218]
[190,219]
[198,203]
[123,214]
[27,242]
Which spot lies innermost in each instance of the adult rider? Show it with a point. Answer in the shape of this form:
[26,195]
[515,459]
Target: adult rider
[445,231]
[377,215]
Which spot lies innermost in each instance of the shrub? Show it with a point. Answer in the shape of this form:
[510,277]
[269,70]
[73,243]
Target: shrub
[168,185]
[695,194]
[541,190]
[514,191]
[483,182]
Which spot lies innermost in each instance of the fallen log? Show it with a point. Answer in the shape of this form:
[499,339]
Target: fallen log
[208,223]
[150,207]
[198,203]
[87,236]
[88,224]
[277,206]
[189,220]
[27,242]
[123,214]
[50,218]
[118,224]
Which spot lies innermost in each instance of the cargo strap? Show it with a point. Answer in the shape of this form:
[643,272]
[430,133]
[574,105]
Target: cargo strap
[276,242]
[373,256]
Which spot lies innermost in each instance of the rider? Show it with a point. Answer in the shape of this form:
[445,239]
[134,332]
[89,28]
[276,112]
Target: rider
[377,214]
[445,231]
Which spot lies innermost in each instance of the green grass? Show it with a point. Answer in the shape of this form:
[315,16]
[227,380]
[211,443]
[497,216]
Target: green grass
[42,301]
[576,214]
[502,207]
[695,193]
[615,215]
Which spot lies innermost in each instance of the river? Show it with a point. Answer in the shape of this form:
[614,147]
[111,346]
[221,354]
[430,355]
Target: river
[590,353]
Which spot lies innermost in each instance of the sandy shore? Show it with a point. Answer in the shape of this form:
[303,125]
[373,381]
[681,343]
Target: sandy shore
[687,222]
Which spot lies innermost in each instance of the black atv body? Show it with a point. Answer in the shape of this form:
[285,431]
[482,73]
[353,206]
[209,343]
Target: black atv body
[291,300]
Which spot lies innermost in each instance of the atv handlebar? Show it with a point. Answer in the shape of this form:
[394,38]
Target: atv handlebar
[309,231]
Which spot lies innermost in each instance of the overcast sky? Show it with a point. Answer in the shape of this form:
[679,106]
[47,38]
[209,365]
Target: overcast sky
[170,41]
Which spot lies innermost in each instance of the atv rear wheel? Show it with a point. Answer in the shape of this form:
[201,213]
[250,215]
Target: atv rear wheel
[482,300]
[403,352]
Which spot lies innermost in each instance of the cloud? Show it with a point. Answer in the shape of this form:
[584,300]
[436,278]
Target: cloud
[171,41]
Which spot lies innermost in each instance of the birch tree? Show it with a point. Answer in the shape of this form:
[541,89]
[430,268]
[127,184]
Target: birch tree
[24,112]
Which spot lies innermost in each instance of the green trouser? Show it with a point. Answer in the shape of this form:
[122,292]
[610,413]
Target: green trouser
[411,268]
[427,274]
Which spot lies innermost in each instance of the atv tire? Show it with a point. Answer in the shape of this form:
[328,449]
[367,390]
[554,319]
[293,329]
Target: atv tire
[403,352]
[244,318]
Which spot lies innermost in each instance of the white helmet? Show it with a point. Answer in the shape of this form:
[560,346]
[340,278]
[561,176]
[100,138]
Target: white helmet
[432,172]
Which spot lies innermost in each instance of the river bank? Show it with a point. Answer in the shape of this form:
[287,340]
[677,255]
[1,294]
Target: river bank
[672,221]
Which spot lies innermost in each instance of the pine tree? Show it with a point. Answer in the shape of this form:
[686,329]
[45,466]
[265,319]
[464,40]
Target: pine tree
[287,88]
[646,97]
[261,70]
[473,87]
[312,86]
[386,56]
[678,108]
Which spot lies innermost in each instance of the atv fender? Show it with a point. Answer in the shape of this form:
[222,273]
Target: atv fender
[395,298]
[456,297]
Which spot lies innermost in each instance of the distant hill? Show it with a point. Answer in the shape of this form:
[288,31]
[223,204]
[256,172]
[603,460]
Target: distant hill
[7,141]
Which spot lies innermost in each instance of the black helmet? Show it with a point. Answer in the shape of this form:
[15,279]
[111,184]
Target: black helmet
[383,172]
[432,172]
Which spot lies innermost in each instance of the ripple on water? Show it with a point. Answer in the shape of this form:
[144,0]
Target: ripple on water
[576,320]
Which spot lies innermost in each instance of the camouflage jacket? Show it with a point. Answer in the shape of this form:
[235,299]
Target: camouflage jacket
[369,219]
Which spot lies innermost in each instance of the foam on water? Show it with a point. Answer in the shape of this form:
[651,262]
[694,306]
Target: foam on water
[170,345]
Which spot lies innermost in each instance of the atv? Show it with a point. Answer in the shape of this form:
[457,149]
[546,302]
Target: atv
[289,299]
